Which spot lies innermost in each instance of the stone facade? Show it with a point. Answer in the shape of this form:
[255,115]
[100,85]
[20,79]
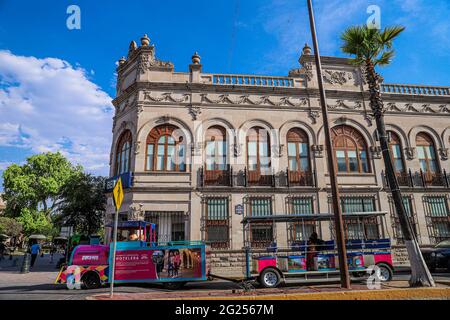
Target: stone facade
[152,96]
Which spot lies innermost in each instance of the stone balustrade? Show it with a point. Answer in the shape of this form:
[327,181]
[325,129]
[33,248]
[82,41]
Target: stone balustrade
[415,90]
[247,80]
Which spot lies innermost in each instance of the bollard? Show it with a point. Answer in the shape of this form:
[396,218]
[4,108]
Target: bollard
[26,263]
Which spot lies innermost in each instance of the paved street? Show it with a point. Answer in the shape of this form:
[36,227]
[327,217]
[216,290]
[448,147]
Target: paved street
[39,283]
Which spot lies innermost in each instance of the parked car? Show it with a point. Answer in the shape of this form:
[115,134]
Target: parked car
[438,257]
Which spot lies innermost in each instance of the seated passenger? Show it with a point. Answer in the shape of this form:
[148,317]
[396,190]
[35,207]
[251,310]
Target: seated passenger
[133,237]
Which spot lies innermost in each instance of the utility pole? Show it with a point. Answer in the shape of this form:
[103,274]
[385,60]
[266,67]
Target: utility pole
[338,221]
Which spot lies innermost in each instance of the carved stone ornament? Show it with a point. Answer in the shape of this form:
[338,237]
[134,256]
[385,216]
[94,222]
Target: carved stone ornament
[165,97]
[132,48]
[137,147]
[369,118]
[277,150]
[148,62]
[376,152]
[317,150]
[337,77]
[237,149]
[443,152]
[261,100]
[444,108]
[306,71]
[314,114]
[410,153]
[135,212]
[194,111]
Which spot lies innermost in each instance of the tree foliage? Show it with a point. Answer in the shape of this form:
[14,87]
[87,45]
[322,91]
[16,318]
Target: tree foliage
[34,221]
[37,184]
[83,203]
[10,227]
[370,44]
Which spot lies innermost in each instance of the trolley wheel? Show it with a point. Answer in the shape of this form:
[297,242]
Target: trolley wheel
[269,278]
[386,272]
[91,280]
[173,285]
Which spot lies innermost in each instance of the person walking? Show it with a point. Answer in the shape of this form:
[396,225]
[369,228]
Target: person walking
[35,249]
[2,250]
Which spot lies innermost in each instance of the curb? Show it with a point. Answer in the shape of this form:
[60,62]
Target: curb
[391,294]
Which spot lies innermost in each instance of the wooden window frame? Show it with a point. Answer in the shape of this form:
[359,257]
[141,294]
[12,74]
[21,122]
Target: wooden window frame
[355,137]
[123,139]
[153,139]
[395,141]
[216,156]
[298,136]
[424,140]
[258,154]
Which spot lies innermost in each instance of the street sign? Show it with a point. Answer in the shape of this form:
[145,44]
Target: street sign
[239,209]
[118,194]
[127,181]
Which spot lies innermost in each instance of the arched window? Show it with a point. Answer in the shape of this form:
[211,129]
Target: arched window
[258,149]
[258,156]
[298,151]
[351,150]
[426,153]
[123,153]
[166,149]
[216,149]
[396,153]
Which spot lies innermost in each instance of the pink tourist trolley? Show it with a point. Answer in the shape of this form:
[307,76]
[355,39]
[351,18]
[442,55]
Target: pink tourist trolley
[272,265]
[139,260]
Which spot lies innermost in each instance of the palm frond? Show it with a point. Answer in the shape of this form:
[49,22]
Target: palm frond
[385,58]
[389,34]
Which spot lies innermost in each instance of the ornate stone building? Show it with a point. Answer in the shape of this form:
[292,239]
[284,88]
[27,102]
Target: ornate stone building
[201,147]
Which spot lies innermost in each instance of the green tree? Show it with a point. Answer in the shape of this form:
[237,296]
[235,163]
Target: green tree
[37,184]
[370,48]
[10,226]
[34,221]
[83,203]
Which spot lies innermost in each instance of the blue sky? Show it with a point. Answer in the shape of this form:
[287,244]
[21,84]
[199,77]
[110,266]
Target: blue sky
[56,84]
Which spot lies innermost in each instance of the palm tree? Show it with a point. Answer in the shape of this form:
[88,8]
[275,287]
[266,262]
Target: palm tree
[372,47]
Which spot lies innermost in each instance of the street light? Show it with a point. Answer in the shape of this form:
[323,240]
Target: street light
[339,225]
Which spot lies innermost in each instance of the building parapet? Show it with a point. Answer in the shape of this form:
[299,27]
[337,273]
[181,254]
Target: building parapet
[415,89]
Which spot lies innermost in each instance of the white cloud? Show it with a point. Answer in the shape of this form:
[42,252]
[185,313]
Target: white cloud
[48,105]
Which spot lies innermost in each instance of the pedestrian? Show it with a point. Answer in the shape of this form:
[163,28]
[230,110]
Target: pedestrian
[2,250]
[35,249]
[52,252]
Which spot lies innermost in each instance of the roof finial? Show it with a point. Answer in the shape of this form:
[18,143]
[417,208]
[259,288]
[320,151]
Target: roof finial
[145,41]
[306,50]
[196,58]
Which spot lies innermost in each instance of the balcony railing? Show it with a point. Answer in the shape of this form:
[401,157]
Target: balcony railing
[420,179]
[258,81]
[253,178]
[299,178]
[216,177]
[415,90]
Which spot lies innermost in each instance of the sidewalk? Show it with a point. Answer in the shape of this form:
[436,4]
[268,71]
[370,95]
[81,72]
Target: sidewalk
[393,290]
